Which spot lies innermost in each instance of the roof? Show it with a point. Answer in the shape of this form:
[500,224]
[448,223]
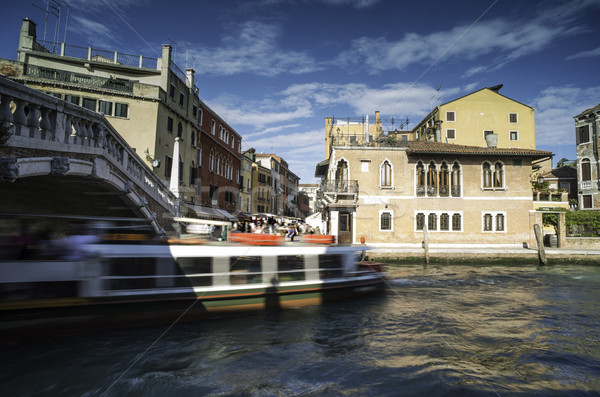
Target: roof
[594,109]
[562,172]
[449,148]
[495,89]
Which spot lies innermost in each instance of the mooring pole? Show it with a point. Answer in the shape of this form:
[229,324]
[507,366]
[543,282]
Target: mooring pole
[540,244]
[426,243]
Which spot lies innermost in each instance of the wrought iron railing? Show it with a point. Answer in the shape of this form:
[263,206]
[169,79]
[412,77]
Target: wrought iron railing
[76,78]
[339,186]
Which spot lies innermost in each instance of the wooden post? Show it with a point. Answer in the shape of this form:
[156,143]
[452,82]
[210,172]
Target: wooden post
[540,244]
[426,243]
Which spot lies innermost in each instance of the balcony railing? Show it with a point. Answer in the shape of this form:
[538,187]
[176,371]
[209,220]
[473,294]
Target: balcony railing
[76,78]
[350,187]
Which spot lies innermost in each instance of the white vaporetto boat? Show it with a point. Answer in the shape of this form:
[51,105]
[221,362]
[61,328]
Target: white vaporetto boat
[148,282]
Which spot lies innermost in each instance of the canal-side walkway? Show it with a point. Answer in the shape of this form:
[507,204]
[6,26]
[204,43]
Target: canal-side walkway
[441,253]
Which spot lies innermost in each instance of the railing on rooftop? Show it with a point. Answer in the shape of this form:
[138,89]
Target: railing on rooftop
[96,54]
[76,78]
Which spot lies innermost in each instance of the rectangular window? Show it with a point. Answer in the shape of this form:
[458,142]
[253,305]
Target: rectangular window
[456,222]
[487,132]
[194,110]
[586,170]
[89,103]
[587,201]
[451,134]
[172,91]
[105,107]
[514,135]
[290,268]
[121,110]
[450,116]
[212,127]
[513,117]
[72,99]
[583,133]
[181,98]
[245,270]
[168,165]
[200,116]
[444,222]
[170,124]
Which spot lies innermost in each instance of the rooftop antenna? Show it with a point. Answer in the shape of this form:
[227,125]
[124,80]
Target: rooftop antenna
[187,50]
[174,49]
[46,11]
[56,7]
[66,20]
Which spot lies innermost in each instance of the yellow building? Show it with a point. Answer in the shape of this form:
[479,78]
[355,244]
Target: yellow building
[261,189]
[468,120]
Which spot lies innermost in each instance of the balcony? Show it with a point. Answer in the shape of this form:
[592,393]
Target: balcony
[76,78]
[350,187]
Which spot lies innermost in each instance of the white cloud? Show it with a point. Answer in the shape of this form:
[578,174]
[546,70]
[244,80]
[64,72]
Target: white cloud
[555,109]
[253,50]
[585,54]
[505,40]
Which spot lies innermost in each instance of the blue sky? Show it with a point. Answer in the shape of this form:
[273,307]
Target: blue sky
[274,69]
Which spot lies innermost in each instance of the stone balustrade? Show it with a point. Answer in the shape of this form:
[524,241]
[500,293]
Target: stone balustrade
[42,122]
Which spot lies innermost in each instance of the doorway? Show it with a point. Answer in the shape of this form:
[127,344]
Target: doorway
[345,228]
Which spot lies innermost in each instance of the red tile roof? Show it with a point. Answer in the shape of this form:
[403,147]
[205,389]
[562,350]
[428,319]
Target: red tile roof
[448,148]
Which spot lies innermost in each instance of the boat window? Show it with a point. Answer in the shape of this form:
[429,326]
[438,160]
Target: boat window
[330,266]
[245,270]
[198,271]
[290,268]
[132,273]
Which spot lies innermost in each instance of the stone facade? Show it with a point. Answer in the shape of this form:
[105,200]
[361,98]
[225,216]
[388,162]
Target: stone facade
[587,129]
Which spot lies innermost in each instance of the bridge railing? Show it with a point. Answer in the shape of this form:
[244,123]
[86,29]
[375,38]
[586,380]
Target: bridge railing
[40,121]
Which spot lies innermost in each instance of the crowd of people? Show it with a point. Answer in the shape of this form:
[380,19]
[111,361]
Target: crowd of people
[270,225]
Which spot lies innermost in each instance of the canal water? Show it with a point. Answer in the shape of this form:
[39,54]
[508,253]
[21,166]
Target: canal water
[451,330]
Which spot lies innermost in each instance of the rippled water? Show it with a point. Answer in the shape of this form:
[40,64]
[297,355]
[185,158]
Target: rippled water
[437,331]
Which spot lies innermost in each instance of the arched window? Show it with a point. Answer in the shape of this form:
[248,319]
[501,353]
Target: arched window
[420,221]
[487,175]
[385,221]
[444,222]
[444,179]
[432,221]
[431,179]
[420,179]
[498,175]
[456,222]
[455,180]
[488,223]
[499,222]
[386,174]
[341,176]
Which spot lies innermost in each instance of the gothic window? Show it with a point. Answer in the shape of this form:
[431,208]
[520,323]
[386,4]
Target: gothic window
[487,175]
[431,179]
[420,179]
[444,179]
[386,174]
[498,175]
[455,180]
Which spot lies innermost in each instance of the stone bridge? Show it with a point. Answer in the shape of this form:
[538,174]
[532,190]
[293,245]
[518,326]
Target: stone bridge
[62,160]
